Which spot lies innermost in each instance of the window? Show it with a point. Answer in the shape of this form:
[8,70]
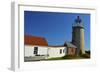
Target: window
[60,51]
[35,50]
[63,50]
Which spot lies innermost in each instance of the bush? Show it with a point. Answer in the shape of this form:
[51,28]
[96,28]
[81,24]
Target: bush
[85,55]
[88,52]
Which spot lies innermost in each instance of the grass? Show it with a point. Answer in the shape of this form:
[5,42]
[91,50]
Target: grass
[68,57]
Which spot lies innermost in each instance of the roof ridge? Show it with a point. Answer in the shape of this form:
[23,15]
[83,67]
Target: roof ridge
[35,40]
[34,36]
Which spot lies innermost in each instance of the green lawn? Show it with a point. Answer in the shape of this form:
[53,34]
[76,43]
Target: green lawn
[67,57]
[70,57]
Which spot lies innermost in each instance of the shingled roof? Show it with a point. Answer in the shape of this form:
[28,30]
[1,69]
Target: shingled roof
[34,40]
[68,44]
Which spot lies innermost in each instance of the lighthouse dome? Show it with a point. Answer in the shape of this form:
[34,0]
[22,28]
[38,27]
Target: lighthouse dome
[78,22]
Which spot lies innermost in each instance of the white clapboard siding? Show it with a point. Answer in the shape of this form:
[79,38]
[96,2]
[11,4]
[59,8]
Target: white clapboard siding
[29,50]
[55,52]
[49,52]
[42,50]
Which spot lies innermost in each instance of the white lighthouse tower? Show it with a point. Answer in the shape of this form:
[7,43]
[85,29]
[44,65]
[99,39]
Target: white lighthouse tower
[78,35]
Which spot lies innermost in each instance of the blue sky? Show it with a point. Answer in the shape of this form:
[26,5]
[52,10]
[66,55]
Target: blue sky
[55,27]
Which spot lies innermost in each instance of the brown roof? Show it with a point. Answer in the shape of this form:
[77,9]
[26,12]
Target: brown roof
[68,44]
[34,40]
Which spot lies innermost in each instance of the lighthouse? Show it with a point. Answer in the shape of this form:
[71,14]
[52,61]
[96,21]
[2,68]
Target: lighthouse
[78,35]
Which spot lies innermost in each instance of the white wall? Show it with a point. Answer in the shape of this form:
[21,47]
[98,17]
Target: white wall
[55,52]
[29,50]
[44,50]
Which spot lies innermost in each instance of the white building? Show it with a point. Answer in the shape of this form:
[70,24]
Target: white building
[47,51]
[36,48]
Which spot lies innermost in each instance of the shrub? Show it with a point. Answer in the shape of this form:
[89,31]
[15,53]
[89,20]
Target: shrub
[85,55]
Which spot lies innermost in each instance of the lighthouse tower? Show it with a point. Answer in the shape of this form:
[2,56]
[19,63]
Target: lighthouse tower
[78,35]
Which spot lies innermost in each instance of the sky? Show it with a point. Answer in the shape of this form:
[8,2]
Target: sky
[55,27]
